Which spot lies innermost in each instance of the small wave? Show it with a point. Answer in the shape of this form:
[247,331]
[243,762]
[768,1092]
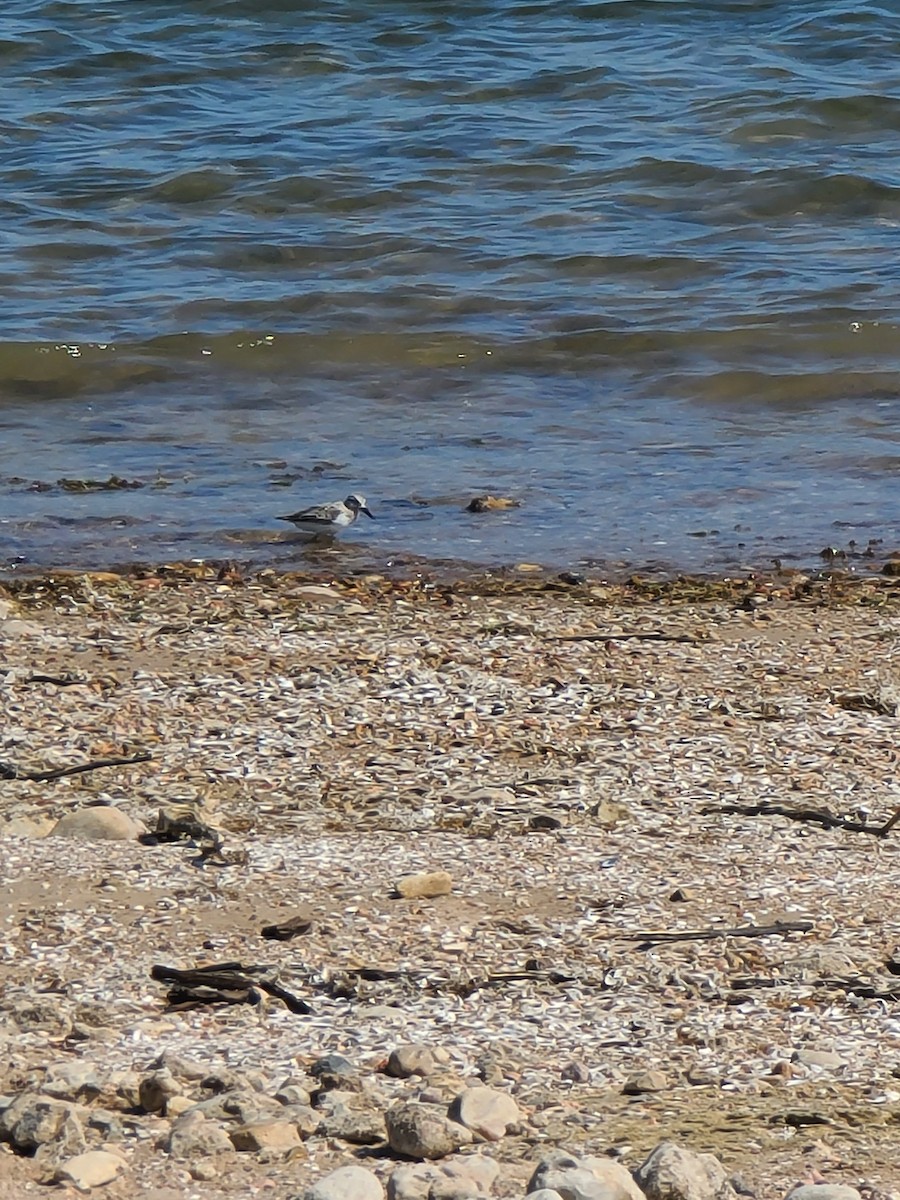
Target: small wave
[194,187]
[811,193]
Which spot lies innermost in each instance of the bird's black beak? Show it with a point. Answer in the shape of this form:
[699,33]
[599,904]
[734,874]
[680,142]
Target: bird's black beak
[366,511]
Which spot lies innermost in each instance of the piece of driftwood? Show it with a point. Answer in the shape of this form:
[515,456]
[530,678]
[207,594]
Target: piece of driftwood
[59,680]
[184,822]
[537,975]
[814,816]
[8,771]
[866,702]
[285,930]
[345,984]
[637,635]
[654,937]
[849,984]
[224,983]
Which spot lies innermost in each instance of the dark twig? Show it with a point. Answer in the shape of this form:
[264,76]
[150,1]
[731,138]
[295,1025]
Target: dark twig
[223,983]
[652,937]
[59,680]
[815,816]
[346,984]
[851,986]
[290,1001]
[7,771]
[866,702]
[537,976]
[285,930]
[653,635]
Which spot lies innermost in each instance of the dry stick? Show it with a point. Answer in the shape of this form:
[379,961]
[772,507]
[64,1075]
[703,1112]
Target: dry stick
[635,635]
[293,1003]
[59,680]
[817,816]
[652,936]
[285,930]
[442,983]
[9,772]
[228,982]
[549,976]
[857,987]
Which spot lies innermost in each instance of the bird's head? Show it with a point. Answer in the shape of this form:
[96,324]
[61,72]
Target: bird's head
[357,504]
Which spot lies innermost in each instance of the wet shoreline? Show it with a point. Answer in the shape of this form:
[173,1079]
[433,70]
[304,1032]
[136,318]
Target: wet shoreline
[750,591]
[346,561]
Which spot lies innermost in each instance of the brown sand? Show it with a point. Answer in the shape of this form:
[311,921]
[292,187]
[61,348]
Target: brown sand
[587,763]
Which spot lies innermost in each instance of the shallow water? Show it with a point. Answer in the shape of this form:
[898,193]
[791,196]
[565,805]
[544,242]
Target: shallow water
[630,263]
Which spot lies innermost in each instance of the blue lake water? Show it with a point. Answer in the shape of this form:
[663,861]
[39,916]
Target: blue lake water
[633,264]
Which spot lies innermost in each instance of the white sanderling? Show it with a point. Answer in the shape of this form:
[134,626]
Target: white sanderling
[329,518]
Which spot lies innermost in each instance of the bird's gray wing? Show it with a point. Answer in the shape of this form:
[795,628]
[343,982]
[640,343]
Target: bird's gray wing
[322,514]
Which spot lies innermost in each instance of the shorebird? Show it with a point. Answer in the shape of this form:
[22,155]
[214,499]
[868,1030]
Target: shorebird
[329,518]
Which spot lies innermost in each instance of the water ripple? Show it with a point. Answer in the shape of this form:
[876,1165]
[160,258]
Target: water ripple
[590,235]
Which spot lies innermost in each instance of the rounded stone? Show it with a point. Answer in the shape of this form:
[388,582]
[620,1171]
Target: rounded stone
[406,1061]
[192,1135]
[582,1179]
[673,1173]
[100,824]
[335,1071]
[33,1119]
[92,1169]
[646,1081]
[826,1060]
[76,1080]
[824,1191]
[467,1175]
[346,1183]
[292,1093]
[279,1136]
[424,886]
[156,1089]
[617,1178]
[486,1111]
[423,1131]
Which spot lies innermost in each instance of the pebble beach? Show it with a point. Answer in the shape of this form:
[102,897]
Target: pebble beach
[608,866]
